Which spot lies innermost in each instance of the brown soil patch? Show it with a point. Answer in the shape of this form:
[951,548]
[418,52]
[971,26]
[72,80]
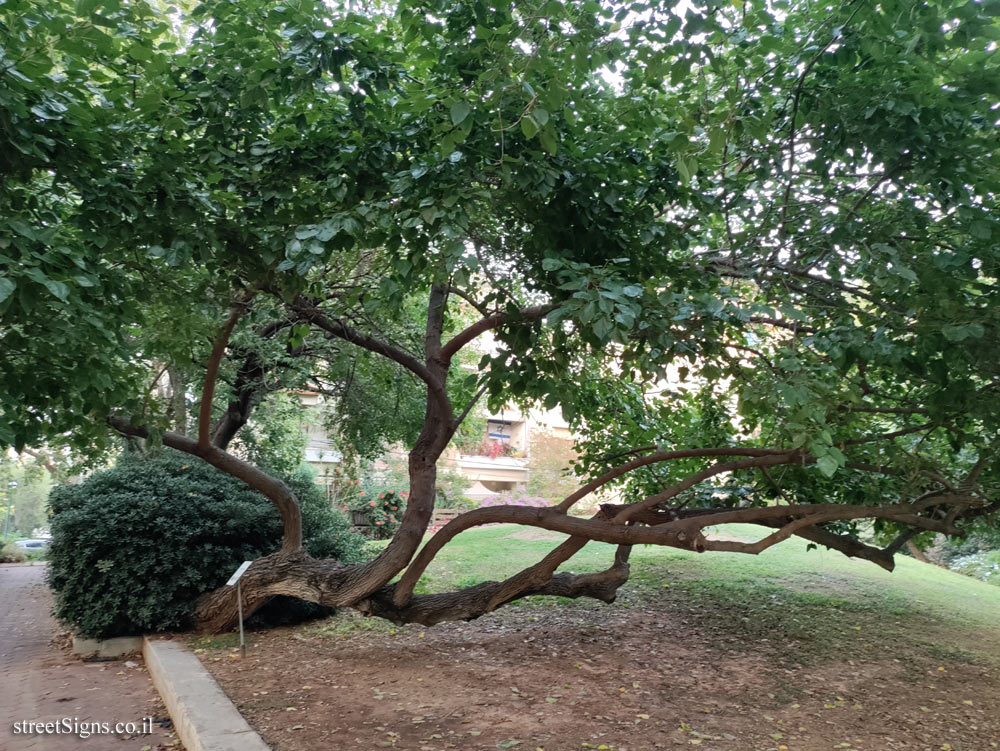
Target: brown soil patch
[632,678]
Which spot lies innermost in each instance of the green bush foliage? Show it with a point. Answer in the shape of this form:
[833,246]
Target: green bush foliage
[11,553]
[134,546]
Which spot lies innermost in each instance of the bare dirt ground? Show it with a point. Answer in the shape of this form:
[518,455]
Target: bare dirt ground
[649,672]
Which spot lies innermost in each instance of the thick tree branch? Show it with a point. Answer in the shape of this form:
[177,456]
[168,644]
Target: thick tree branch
[661,456]
[274,489]
[470,603]
[248,389]
[473,602]
[212,376]
[469,299]
[339,329]
[489,322]
[843,543]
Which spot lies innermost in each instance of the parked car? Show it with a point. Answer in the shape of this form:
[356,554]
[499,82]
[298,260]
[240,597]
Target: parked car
[32,545]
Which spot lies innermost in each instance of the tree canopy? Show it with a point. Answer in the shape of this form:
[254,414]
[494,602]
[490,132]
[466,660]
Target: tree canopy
[749,248]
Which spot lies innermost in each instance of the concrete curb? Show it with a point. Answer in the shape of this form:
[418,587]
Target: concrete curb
[204,717]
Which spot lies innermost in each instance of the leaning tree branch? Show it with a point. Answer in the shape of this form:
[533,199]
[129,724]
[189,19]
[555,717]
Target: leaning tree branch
[661,456]
[890,436]
[483,311]
[468,604]
[341,330]
[842,543]
[532,577]
[905,514]
[799,87]
[249,386]
[796,328]
[470,406]
[212,377]
[716,469]
[489,322]
[684,533]
[274,489]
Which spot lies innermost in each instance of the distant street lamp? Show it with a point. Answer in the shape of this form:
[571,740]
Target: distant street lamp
[6,525]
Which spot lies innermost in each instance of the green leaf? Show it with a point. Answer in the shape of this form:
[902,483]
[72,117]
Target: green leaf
[528,126]
[459,111]
[981,229]
[602,327]
[827,465]
[683,169]
[6,288]
[85,7]
[961,332]
[716,140]
[548,139]
[22,228]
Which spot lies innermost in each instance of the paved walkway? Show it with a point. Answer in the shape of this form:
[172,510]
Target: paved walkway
[40,681]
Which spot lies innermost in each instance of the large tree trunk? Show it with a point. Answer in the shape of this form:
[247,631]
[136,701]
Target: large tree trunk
[333,584]
[329,582]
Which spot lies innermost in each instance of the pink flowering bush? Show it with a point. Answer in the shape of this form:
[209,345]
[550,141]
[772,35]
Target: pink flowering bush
[383,507]
[494,449]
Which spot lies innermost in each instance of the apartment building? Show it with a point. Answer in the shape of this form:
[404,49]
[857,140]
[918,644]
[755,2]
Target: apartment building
[518,450]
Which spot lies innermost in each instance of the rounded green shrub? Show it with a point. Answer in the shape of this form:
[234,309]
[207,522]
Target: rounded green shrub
[134,546]
[11,553]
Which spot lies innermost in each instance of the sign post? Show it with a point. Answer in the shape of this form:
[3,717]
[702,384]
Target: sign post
[235,579]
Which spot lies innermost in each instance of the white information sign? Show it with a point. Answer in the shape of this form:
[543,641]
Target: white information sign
[238,573]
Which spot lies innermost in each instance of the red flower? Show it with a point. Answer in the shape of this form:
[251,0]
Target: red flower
[381,495]
[372,504]
[394,508]
[361,492]
[379,523]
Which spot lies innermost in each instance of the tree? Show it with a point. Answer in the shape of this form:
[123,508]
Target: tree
[785,211]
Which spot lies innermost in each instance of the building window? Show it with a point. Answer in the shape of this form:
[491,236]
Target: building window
[498,430]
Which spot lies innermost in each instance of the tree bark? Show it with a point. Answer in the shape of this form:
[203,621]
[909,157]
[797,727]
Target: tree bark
[917,552]
[334,584]
[178,401]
